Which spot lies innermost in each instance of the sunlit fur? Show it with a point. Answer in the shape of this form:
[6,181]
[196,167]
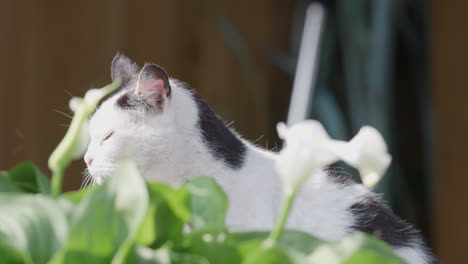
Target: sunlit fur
[167,146]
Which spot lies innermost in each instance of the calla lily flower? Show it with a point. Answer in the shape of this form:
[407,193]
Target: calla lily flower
[76,140]
[77,104]
[309,149]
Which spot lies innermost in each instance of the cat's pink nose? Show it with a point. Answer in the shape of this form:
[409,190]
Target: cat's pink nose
[88,160]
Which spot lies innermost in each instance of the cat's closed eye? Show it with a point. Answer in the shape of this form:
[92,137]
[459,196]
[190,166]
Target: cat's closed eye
[107,136]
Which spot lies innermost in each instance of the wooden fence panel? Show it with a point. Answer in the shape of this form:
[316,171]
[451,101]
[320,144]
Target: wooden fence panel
[52,48]
[450,80]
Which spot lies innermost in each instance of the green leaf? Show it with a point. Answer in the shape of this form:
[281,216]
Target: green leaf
[168,211]
[76,196]
[28,178]
[358,248]
[214,246]
[355,248]
[208,204]
[370,257]
[6,185]
[144,255]
[178,199]
[273,255]
[107,220]
[297,240]
[32,227]
[256,251]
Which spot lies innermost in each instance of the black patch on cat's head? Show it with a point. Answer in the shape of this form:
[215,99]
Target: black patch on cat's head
[124,68]
[220,140]
[127,101]
[376,218]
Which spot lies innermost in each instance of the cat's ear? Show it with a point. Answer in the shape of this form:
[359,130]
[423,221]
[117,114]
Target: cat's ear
[124,68]
[153,86]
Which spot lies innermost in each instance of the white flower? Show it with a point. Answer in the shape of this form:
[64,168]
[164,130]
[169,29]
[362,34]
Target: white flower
[85,105]
[308,148]
[368,153]
[75,141]
[303,152]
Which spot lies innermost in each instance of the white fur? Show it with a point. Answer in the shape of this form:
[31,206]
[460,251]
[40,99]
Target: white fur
[168,147]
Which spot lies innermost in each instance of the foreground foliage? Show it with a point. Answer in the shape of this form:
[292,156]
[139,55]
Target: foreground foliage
[126,220]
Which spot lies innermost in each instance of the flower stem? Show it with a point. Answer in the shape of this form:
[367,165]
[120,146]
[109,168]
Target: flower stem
[64,153]
[57,179]
[274,235]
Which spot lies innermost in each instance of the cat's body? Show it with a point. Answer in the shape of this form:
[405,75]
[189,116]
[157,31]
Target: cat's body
[173,136]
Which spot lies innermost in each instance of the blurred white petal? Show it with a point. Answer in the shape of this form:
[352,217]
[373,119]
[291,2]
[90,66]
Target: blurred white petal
[82,105]
[303,152]
[74,103]
[83,141]
[94,95]
[372,159]
[309,148]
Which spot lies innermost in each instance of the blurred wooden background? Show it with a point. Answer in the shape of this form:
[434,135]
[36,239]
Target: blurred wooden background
[450,88]
[51,48]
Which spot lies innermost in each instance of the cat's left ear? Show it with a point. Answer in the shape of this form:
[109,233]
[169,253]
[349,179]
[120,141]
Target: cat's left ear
[153,86]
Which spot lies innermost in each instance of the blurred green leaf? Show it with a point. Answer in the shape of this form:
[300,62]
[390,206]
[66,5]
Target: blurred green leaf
[77,196]
[272,255]
[32,227]
[26,177]
[107,220]
[144,255]
[370,257]
[355,248]
[212,245]
[6,185]
[168,211]
[297,240]
[258,251]
[208,204]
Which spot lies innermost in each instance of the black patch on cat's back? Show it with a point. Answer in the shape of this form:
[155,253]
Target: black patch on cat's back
[339,176]
[376,218]
[221,142]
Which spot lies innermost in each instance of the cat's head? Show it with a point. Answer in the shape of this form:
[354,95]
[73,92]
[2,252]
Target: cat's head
[137,120]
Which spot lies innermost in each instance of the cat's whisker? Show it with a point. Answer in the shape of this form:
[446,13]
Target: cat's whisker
[275,148]
[88,183]
[87,178]
[230,123]
[62,113]
[83,183]
[255,141]
[68,93]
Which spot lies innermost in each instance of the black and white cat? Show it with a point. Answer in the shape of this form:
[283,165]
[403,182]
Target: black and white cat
[174,135]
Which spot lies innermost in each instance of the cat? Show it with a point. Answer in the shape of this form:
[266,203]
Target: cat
[174,136]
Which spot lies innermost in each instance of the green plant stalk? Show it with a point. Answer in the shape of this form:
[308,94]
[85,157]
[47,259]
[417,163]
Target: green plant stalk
[274,235]
[63,154]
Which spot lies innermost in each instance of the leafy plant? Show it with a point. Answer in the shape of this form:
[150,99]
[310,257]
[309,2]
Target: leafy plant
[129,220]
